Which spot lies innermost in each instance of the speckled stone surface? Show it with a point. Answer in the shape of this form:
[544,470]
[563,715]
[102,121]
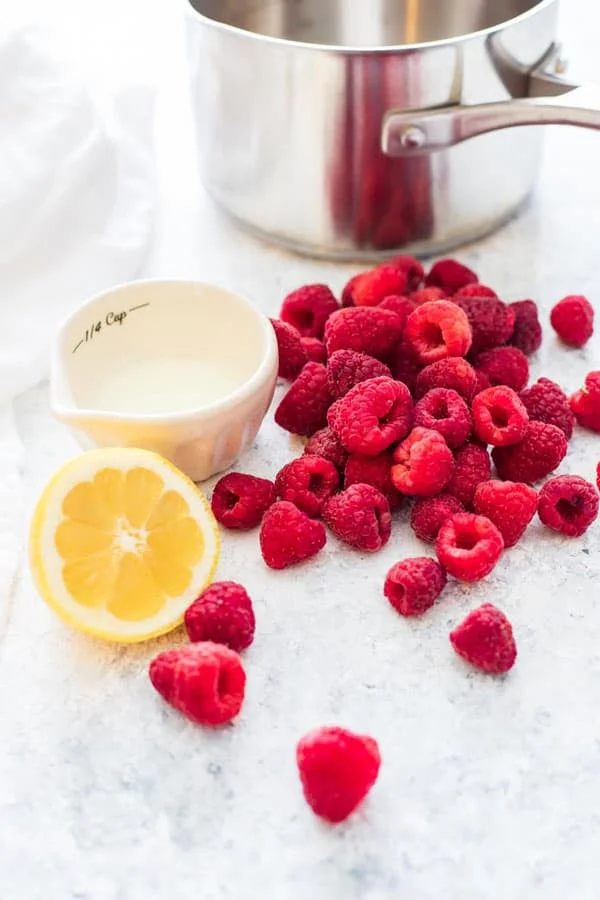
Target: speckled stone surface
[489,788]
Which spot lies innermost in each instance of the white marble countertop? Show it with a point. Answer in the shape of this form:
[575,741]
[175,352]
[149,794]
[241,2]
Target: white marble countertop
[489,789]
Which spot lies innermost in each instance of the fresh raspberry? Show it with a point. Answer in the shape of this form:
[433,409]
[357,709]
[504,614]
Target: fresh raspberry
[598,476]
[428,514]
[568,504]
[324,443]
[360,516]
[485,639]
[204,681]
[308,308]
[450,275]
[437,330]
[307,482]
[402,306]
[412,268]
[347,368]
[540,452]
[372,415]
[510,506]
[405,366]
[292,355]
[376,471]
[423,464]
[545,401]
[348,291]
[499,417]
[471,466]
[240,501]
[573,320]
[381,282]
[445,411]
[504,365]
[428,295]
[373,331]
[483,382]
[223,614]
[527,333]
[413,585]
[288,536]
[476,290]
[453,373]
[469,546]
[337,770]
[314,349]
[491,321]
[585,403]
[303,409]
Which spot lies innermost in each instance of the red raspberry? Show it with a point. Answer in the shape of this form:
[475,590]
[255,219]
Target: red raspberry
[453,373]
[405,366]
[240,501]
[504,365]
[413,585]
[381,282]
[337,770]
[540,452]
[471,467]
[360,516]
[204,681]
[573,320]
[347,368]
[510,506]
[545,401]
[308,308]
[348,292]
[314,349]
[450,275]
[223,614]
[376,471]
[485,639]
[428,514]
[445,411]
[412,268]
[499,417]
[492,321]
[585,403]
[568,504]
[476,290]
[423,464]
[367,330]
[598,476]
[428,295]
[292,355]
[372,415]
[483,382]
[324,443]
[303,409]
[527,333]
[469,546]
[288,536]
[402,306]
[308,482]
[437,330]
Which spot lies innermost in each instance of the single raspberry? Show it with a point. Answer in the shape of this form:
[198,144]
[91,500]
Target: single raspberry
[573,320]
[568,504]
[598,476]
[545,401]
[405,365]
[437,330]
[510,506]
[303,409]
[453,373]
[337,770]
[324,443]
[492,321]
[314,349]
[372,415]
[381,282]
[428,514]
[527,332]
[348,291]
[540,452]
[402,306]
[413,585]
[412,268]
[485,639]
[308,308]
[428,295]
[585,403]
[288,536]
[292,355]
[476,290]
[423,464]
[499,417]
[308,482]
[376,471]
[240,501]
[471,466]
[483,382]
[450,275]
[223,614]
[445,411]
[469,546]
[504,365]
[367,330]
[347,368]
[360,516]
[204,681]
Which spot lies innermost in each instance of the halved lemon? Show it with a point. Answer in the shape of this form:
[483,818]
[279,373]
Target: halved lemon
[121,543]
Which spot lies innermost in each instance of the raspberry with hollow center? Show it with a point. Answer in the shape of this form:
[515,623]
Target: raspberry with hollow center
[428,514]
[222,614]
[347,368]
[527,331]
[540,452]
[324,443]
[240,501]
[412,268]
[573,320]
[437,330]
[468,546]
[288,536]
[348,291]
[292,355]
[504,365]
[568,504]
[303,409]
[360,516]
[485,639]
[369,330]
[453,373]
[376,471]
[372,415]
[471,466]
[545,401]
[308,309]
[445,411]
[499,417]
[492,321]
[585,403]
[510,506]
[381,282]
[450,275]
[307,482]
[423,464]
[314,349]
[413,585]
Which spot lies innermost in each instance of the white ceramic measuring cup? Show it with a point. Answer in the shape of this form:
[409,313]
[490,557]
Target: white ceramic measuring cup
[179,367]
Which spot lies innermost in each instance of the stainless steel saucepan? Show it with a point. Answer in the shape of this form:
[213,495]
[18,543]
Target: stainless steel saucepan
[357,128]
